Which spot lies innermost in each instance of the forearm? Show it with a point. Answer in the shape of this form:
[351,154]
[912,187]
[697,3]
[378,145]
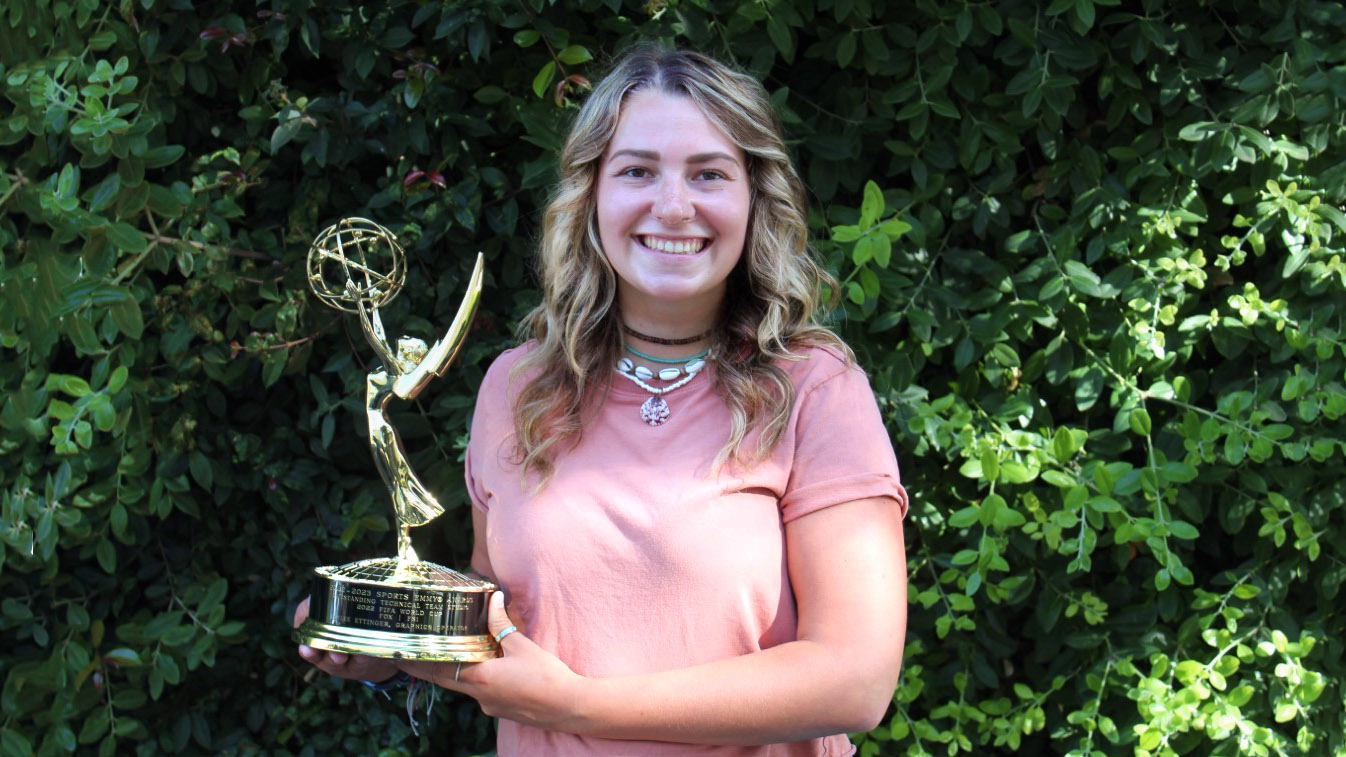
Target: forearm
[796,691]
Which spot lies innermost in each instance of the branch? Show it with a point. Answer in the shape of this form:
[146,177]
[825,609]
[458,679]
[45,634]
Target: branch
[17,180]
[302,340]
[235,251]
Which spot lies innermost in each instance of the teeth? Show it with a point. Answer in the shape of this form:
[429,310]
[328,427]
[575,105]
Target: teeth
[676,248]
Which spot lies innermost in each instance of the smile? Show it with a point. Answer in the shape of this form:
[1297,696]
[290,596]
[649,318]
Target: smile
[673,246]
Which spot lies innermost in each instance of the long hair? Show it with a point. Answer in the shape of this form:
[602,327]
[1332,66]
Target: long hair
[772,297]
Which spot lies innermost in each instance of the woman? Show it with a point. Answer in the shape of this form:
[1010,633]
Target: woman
[698,559]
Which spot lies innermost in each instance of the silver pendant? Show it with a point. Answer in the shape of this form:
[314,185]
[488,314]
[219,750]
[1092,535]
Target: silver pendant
[654,411]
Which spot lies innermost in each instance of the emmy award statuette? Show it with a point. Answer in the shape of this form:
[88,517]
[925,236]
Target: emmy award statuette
[393,607]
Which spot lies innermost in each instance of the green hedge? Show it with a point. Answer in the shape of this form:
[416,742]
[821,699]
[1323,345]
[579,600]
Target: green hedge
[1091,254]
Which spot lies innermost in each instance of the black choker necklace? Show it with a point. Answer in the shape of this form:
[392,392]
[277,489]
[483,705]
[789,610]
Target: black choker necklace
[660,340]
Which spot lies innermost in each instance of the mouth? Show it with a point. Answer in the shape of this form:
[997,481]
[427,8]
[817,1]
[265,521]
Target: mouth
[686,246]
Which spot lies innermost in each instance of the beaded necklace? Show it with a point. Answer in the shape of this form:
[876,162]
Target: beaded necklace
[655,411]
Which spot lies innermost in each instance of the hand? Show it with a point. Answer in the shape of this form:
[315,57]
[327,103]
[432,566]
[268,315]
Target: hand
[527,684]
[339,664]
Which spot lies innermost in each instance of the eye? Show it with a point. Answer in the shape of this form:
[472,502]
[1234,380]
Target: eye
[635,172]
[711,174]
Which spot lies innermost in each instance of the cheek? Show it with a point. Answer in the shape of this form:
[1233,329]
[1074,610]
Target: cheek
[616,213]
[732,217]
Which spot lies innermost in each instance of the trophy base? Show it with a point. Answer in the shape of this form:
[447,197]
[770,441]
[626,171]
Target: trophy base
[393,609]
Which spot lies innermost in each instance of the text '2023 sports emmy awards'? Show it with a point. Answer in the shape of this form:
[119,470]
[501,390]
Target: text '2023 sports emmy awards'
[395,607]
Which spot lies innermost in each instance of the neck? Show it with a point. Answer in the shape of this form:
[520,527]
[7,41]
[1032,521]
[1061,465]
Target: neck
[670,321]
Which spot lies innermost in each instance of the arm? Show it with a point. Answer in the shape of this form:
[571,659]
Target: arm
[848,568]
[847,565]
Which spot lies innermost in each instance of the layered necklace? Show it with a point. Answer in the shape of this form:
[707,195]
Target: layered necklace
[655,411]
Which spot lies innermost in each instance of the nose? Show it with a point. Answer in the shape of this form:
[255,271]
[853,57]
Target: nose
[673,205]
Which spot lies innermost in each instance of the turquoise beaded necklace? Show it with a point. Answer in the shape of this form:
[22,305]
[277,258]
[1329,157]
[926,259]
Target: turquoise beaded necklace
[667,361]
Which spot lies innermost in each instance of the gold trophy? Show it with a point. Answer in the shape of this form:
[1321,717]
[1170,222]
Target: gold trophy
[392,607]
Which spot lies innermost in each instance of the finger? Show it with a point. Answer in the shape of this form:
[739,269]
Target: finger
[301,612]
[338,658]
[308,653]
[440,673]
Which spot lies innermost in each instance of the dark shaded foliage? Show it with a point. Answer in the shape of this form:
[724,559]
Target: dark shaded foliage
[1091,254]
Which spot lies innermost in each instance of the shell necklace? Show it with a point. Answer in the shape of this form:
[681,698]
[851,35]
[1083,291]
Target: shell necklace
[655,410]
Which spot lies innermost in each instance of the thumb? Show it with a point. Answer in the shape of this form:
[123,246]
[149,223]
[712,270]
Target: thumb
[498,619]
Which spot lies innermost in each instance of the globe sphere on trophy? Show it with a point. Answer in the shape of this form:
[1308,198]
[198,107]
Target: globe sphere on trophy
[402,606]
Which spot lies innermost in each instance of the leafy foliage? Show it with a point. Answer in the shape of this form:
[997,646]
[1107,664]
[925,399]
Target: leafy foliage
[1090,251]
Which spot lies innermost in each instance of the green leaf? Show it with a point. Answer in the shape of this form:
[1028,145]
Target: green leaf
[398,37]
[164,155]
[490,95]
[64,737]
[990,465]
[872,206]
[863,251]
[845,234]
[964,517]
[1162,579]
[104,193]
[127,238]
[117,519]
[894,228]
[1178,472]
[285,132]
[1058,479]
[1183,530]
[574,55]
[845,49]
[1104,505]
[1088,389]
[123,656]
[102,39]
[781,36]
[1016,473]
[1064,446]
[128,318]
[106,555]
[202,470]
[1140,421]
[1198,130]
[71,385]
[68,183]
[543,78]
[95,725]
[883,250]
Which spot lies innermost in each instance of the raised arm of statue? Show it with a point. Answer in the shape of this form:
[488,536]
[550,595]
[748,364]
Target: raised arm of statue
[410,383]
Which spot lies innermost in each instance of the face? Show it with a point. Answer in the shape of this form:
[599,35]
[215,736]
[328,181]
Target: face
[673,200]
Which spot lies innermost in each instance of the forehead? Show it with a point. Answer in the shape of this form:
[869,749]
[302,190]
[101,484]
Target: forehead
[658,121]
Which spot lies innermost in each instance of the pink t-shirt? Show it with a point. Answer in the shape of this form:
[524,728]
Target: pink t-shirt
[636,558]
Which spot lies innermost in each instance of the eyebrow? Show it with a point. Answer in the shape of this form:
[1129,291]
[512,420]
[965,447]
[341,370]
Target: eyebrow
[701,157]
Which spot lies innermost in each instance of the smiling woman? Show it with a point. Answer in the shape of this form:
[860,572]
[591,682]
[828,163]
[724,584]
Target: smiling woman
[728,572]
[673,200]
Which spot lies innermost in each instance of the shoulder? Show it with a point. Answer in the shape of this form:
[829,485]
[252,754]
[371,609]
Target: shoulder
[501,385]
[815,365]
[501,372]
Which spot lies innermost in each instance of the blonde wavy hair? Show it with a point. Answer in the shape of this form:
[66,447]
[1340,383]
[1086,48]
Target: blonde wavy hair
[577,326]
